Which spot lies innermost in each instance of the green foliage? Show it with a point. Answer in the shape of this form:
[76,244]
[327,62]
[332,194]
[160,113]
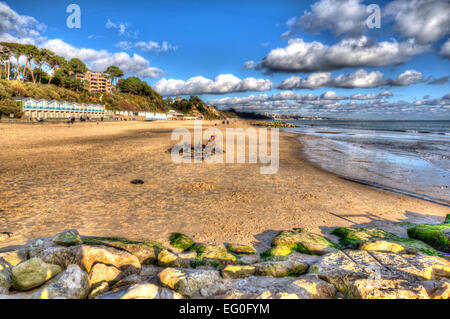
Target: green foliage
[114,72]
[76,65]
[181,241]
[9,106]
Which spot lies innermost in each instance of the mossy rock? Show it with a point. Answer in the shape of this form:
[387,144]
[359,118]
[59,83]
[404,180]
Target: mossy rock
[68,237]
[181,241]
[212,255]
[437,236]
[447,219]
[305,242]
[146,251]
[277,251]
[359,238]
[241,249]
[169,259]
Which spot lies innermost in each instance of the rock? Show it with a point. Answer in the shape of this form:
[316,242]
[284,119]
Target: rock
[100,289]
[378,238]
[386,289]
[86,256]
[304,287]
[181,241]
[137,182]
[187,282]
[277,251]
[438,289]
[382,245]
[147,271]
[437,236]
[103,273]
[249,259]
[72,283]
[142,291]
[212,255]
[128,281]
[305,242]
[168,259]
[68,237]
[146,251]
[11,258]
[241,249]
[32,273]
[236,271]
[35,247]
[447,219]
[281,268]
[394,273]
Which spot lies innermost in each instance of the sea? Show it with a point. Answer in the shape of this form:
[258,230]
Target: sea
[407,157]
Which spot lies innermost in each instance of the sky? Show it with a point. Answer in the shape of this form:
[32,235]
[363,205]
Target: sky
[309,58]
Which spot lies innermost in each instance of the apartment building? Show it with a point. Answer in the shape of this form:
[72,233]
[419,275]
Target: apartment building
[97,81]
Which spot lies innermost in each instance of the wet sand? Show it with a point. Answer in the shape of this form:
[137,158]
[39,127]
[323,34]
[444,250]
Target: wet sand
[53,177]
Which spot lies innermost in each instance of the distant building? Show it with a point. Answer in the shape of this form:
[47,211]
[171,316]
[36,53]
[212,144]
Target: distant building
[97,81]
[46,109]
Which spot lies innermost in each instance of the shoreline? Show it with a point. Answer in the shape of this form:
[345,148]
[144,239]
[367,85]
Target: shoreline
[211,202]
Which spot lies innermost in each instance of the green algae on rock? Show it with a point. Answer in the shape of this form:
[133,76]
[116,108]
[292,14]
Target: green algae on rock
[237,271]
[68,238]
[361,238]
[437,236]
[212,255]
[305,242]
[277,251]
[181,241]
[32,273]
[241,249]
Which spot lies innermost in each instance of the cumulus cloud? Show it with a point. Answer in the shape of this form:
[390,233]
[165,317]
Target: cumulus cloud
[358,79]
[337,16]
[147,46]
[99,60]
[445,49]
[301,56]
[423,20]
[311,105]
[224,83]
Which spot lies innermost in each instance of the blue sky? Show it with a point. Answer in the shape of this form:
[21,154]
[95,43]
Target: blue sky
[258,55]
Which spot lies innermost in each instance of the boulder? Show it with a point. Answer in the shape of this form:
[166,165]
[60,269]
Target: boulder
[379,240]
[72,283]
[169,259]
[249,259]
[304,287]
[187,282]
[181,241]
[237,271]
[11,258]
[212,255]
[141,291]
[277,251]
[68,237]
[86,256]
[241,249]
[32,273]
[355,273]
[35,247]
[146,251]
[437,236]
[438,289]
[305,242]
[281,268]
[104,273]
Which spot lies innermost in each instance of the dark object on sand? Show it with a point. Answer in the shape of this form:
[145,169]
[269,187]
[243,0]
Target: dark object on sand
[137,182]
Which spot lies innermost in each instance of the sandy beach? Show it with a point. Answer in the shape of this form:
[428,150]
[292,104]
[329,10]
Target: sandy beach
[53,178]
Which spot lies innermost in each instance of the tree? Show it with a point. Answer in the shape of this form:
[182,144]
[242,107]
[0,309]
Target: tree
[42,58]
[76,66]
[31,52]
[54,62]
[6,49]
[114,73]
[17,51]
[131,85]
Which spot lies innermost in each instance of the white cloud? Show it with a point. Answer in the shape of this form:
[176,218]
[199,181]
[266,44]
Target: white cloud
[123,29]
[330,95]
[147,46]
[423,20]
[358,79]
[287,34]
[337,16]
[301,56]
[224,83]
[445,49]
[407,78]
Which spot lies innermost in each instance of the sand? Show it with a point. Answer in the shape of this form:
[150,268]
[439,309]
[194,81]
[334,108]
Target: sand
[53,178]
